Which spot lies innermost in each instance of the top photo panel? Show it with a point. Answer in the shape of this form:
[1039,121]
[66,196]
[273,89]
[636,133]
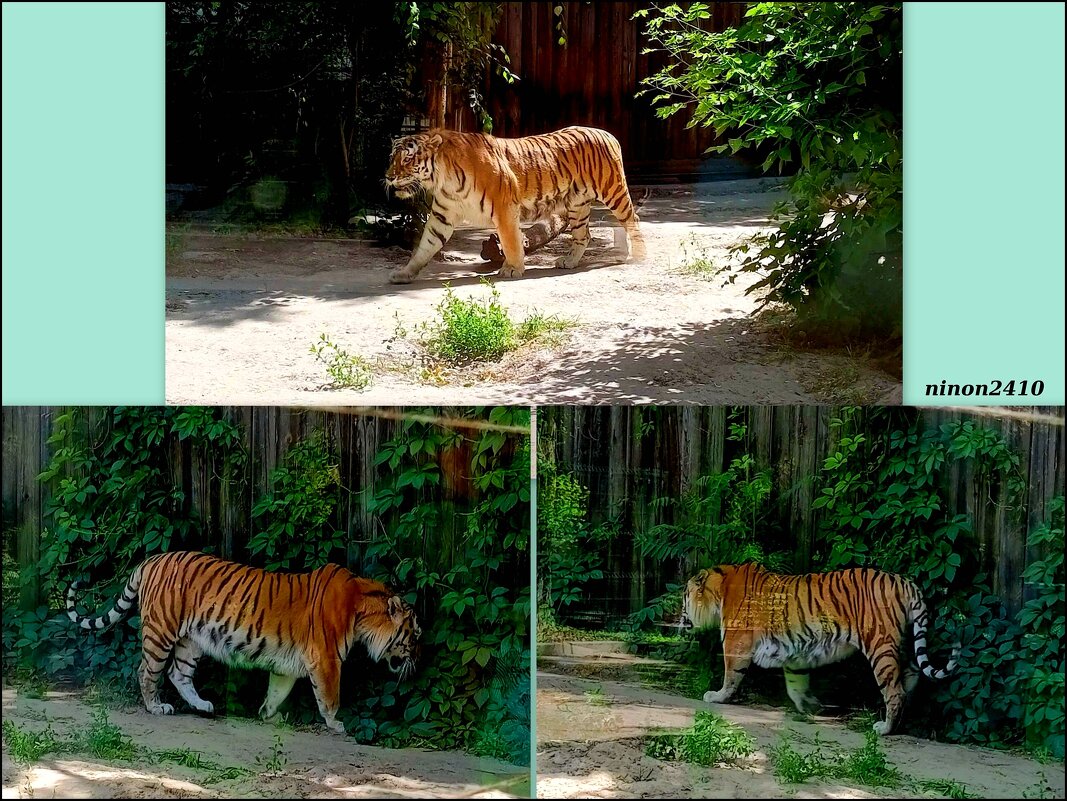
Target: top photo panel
[534,203]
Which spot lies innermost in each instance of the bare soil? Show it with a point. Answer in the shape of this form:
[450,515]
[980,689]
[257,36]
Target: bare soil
[242,312]
[591,745]
[315,763]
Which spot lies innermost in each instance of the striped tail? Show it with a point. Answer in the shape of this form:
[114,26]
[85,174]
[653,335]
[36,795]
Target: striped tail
[122,607]
[920,621]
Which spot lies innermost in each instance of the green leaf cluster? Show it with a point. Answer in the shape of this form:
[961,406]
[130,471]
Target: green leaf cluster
[815,88]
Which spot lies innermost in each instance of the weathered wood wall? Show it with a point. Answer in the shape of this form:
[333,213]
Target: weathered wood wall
[628,456]
[592,80]
[224,507]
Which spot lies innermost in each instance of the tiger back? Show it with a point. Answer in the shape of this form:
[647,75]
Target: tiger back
[488,180]
[799,623]
[293,625]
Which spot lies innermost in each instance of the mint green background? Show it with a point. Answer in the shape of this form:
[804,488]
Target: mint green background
[83,175]
[983,197]
[83,203]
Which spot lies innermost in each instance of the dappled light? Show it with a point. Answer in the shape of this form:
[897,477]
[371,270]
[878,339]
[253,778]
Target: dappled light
[242,313]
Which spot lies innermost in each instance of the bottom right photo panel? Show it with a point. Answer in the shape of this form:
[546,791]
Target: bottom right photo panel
[809,601]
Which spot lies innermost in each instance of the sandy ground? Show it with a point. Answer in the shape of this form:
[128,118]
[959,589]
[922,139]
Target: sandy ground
[243,312]
[316,764]
[592,747]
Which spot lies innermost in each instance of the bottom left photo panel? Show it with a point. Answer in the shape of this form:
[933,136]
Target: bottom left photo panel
[266,601]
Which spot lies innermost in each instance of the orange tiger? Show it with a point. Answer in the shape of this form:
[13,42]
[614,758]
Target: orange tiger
[292,624]
[803,622]
[502,182]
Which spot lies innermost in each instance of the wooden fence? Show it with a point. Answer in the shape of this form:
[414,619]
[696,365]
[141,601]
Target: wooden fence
[224,506]
[628,456]
[592,80]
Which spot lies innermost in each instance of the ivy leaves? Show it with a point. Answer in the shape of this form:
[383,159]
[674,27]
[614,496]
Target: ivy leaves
[474,601]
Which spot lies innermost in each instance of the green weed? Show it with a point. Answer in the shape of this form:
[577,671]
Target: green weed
[948,788]
[345,370]
[105,740]
[275,761]
[712,740]
[596,697]
[466,330]
[29,746]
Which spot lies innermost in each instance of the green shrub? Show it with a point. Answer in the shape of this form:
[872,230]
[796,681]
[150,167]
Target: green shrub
[711,741]
[471,330]
[818,88]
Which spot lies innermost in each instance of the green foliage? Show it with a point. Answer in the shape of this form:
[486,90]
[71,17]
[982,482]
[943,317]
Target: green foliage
[817,87]
[865,765]
[346,370]
[274,762]
[713,740]
[719,519]
[473,680]
[882,498]
[1039,669]
[467,27]
[1009,685]
[27,747]
[101,739]
[301,528]
[113,501]
[456,549]
[570,555]
[472,330]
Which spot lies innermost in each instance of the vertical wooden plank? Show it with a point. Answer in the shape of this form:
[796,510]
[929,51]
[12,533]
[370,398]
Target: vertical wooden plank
[33,433]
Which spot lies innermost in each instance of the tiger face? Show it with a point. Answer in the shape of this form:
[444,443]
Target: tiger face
[402,651]
[411,164]
[702,605]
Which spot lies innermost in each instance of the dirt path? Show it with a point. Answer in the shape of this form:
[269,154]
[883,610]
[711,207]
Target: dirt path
[589,746]
[315,764]
[242,313]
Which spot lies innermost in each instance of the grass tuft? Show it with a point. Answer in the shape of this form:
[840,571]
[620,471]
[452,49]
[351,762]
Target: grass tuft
[713,740]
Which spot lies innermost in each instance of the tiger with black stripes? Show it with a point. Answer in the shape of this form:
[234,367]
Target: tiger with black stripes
[292,624]
[799,623]
[487,180]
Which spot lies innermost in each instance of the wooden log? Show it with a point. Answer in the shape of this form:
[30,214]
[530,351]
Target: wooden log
[533,239]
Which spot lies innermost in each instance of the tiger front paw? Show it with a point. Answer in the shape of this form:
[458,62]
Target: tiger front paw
[511,270]
[717,697]
[335,726]
[881,728]
[400,277]
[161,709]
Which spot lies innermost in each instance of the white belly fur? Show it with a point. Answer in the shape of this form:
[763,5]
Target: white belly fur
[286,661]
[772,652]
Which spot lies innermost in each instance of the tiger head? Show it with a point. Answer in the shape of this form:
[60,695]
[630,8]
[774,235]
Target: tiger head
[702,605]
[401,651]
[411,164]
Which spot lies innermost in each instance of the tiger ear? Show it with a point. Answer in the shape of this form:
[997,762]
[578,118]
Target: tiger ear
[435,140]
[395,606]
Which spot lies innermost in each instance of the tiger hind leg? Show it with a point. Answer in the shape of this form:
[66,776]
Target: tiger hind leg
[278,690]
[155,650]
[891,682]
[622,207]
[578,222]
[183,664]
[797,681]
